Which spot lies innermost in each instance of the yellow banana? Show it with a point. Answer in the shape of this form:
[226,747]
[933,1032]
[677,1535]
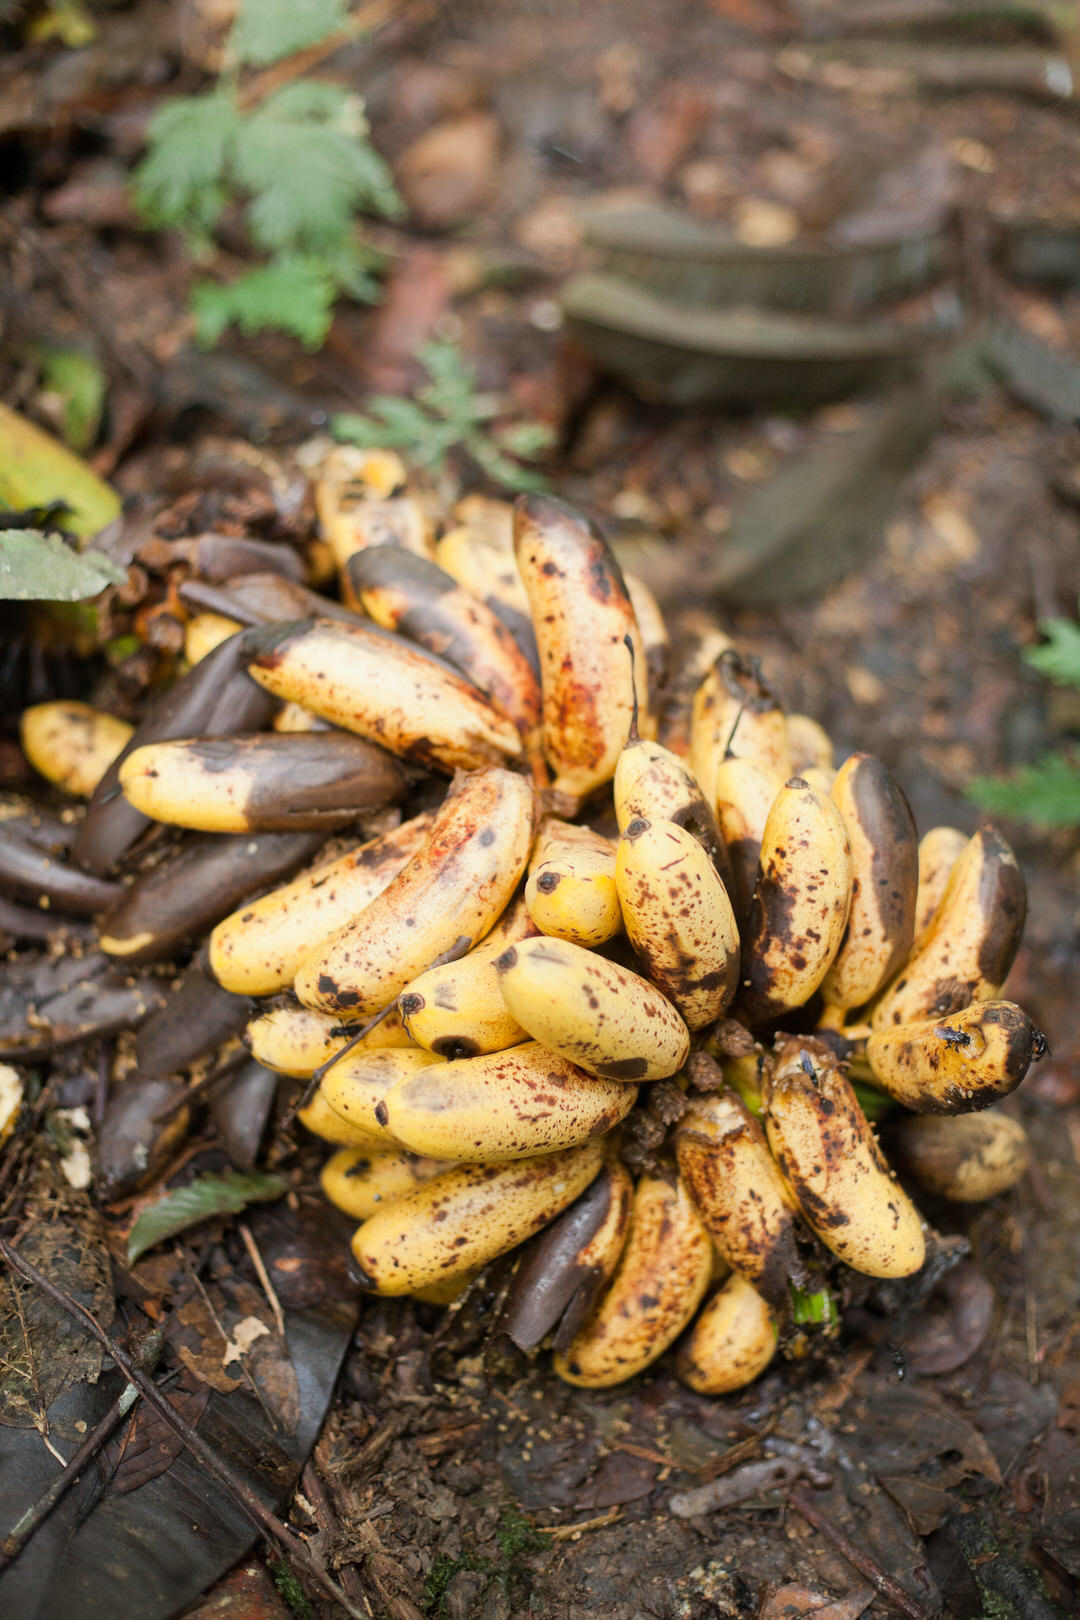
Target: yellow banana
[831,1161]
[504,1105]
[571,888]
[732,1342]
[466,1217]
[970,942]
[732,1177]
[809,744]
[360,1182]
[354,503]
[457,1009]
[297,1041]
[204,632]
[291,717]
[956,1064]
[663,1272]
[582,616]
[379,686]
[678,918]
[322,1121]
[820,777]
[800,906]
[449,1289]
[939,851]
[447,896]
[968,1159]
[736,713]
[259,948]
[358,1082]
[697,644]
[654,638]
[653,784]
[885,881]
[745,793]
[70,744]
[609,1021]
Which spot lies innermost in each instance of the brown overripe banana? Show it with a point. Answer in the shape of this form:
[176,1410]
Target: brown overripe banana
[959,1063]
[967,1159]
[696,645]
[736,713]
[731,1343]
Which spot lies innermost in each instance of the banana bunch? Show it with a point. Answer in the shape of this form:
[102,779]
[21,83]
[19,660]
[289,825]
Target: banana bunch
[614,964]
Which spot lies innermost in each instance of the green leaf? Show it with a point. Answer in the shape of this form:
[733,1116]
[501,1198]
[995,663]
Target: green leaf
[41,568]
[266,30]
[36,469]
[1059,656]
[293,294]
[201,1200]
[80,382]
[182,180]
[1047,793]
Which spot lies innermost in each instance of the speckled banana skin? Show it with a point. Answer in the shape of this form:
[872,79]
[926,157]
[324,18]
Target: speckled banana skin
[321,1120]
[449,893]
[939,851]
[204,632]
[732,1177]
[800,905]
[957,1064]
[653,784]
[736,713]
[971,940]
[731,1343]
[571,891]
[678,918]
[378,686]
[359,1181]
[70,744]
[504,1105]
[833,1166]
[468,1216]
[259,948]
[745,793]
[458,1009]
[582,614]
[662,1275]
[358,1083]
[608,1020]
[294,1040]
[885,881]
[967,1159]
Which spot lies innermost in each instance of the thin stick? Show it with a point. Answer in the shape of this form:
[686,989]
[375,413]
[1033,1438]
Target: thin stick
[882,1583]
[634,734]
[263,1275]
[243,1494]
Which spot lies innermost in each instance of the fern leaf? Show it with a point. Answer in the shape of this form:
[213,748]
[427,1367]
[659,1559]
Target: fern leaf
[1059,656]
[293,294]
[267,30]
[181,182]
[1046,793]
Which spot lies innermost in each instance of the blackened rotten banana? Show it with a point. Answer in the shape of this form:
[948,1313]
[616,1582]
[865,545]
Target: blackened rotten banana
[72,745]
[885,881]
[571,891]
[831,1161]
[663,1272]
[582,615]
[445,899]
[466,1217]
[968,1159]
[971,940]
[731,1343]
[800,905]
[957,1064]
[678,918]
[601,1016]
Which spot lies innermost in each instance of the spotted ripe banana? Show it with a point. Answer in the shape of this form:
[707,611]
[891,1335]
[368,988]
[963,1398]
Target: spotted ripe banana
[291,717]
[653,784]
[663,1272]
[204,632]
[571,892]
[678,918]
[504,1105]
[800,905]
[732,1177]
[72,745]
[970,942]
[968,1159]
[939,851]
[696,645]
[885,881]
[457,1009]
[324,1122]
[479,555]
[360,1080]
[294,1040]
[731,1343]
[582,616]
[957,1064]
[447,896]
[609,1021]
[466,1217]
[809,744]
[736,713]
[745,793]
[830,1159]
[259,948]
[654,636]
[377,685]
[359,1182]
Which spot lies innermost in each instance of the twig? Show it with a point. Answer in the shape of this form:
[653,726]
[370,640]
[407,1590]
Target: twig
[263,1275]
[243,1494]
[563,1532]
[882,1583]
[326,1519]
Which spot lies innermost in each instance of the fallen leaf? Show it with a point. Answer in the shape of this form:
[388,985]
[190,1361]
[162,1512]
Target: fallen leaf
[200,1200]
[244,1335]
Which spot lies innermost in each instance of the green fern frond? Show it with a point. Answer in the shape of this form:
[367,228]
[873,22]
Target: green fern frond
[1046,793]
[292,294]
[267,30]
[1059,656]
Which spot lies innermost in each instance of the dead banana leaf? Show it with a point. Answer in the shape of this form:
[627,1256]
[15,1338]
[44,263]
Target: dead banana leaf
[35,469]
[665,351]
